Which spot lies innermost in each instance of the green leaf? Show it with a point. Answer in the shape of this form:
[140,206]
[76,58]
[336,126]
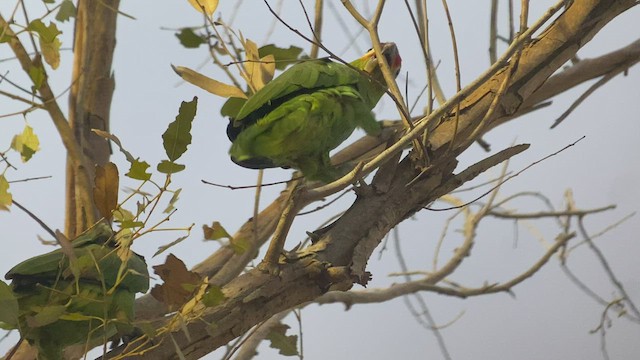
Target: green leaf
[138,170]
[49,42]
[121,214]
[283,56]
[67,11]
[177,136]
[37,75]
[46,315]
[46,33]
[26,143]
[190,39]
[164,248]
[128,224]
[5,195]
[215,232]
[8,306]
[172,202]
[239,245]
[232,107]
[288,345]
[5,38]
[213,296]
[116,141]
[169,167]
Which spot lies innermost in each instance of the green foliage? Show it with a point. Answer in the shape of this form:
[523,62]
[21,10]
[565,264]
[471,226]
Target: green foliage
[215,232]
[138,170]
[178,136]
[37,75]
[190,39]
[49,42]
[5,195]
[166,247]
[232,107]
[8,307]
[287,345]
[169,167]
[67,11]
[60,306]
[26,143]
[283,56]
[172,201]
[213,296]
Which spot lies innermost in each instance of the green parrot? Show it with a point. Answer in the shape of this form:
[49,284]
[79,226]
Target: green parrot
[58,308]
[298,118]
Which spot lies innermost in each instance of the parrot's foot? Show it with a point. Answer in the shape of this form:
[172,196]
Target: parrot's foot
[269,267]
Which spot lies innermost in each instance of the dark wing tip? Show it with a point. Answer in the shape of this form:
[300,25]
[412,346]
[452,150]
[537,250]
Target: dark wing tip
[255,163]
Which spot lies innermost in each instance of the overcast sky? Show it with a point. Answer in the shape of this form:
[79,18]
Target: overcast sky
[548,319]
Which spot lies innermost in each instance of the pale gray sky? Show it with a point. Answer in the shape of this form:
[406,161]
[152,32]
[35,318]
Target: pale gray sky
[548,319]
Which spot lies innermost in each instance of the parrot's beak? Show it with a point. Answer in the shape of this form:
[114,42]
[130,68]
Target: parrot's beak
[391,54]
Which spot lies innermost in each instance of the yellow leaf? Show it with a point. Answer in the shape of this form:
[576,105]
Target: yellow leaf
[26,143]
[208,5]
[105,191]
[206,83]
[268,68]
[51,52]
[252,66]
[5,195]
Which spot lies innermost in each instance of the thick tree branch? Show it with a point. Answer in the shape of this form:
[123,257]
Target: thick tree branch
[329,263]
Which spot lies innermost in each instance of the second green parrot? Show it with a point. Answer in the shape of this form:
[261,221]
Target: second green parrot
[88,300]
[298,118]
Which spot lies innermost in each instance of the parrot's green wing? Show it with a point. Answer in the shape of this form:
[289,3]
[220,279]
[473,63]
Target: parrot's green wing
[48,264]
[300,116]
[307,75]
[299,131]
[301,78]
[59,307]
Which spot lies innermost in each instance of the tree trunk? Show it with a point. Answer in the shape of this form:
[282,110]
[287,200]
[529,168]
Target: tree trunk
[89,103]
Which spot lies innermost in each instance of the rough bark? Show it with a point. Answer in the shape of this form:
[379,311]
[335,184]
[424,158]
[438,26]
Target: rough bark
[89,103]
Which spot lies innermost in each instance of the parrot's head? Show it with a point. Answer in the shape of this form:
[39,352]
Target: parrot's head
[369,62]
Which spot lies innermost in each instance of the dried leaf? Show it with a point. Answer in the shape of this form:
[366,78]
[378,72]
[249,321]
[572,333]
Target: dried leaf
[208,84]
[179,283]
[105,191]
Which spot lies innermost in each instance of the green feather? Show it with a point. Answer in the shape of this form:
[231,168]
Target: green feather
[303,114]
[58,309]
